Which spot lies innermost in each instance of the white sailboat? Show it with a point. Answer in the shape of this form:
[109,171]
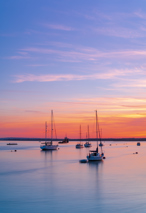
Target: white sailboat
[79,145]
[88,144]
[95,155]
[49,145]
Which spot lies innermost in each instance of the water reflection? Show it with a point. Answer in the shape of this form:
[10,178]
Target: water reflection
[95,163]
[48,154]
[95,166]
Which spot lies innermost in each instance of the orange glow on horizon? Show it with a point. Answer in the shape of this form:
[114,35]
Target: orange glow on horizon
[113,126]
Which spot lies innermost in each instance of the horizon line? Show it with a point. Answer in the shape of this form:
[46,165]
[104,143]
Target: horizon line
[70,139]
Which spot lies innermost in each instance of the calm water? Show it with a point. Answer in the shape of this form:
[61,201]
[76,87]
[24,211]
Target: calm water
[32,180]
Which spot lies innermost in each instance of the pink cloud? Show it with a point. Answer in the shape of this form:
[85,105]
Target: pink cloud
[66,77]
[58,27]
[140,14]
[17,57]
[135,83]
[89,54]
[119,32]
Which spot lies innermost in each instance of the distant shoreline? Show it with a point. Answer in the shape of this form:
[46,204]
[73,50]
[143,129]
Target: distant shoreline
[71,139]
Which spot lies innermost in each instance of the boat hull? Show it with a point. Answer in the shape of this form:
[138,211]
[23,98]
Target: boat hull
[12,144]
[97,157]
[49,147]
[87,145]
[79,146]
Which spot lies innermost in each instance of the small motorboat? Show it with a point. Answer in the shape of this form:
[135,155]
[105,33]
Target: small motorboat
[83,161]
[12,144]
[65,140]
[138,143]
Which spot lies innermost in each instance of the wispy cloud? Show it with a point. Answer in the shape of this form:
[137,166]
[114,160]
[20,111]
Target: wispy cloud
[119,24]
[18,57]
[34,111]
[89,54]
[58,27]
[135,83]
[37,65]
[85,15]
[38,32]
[57,44]
[108,104]
[140,14]
[66,77]
[122,32]
[67,53]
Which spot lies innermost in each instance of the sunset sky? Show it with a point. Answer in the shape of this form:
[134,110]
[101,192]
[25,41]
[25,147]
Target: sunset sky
[74,57]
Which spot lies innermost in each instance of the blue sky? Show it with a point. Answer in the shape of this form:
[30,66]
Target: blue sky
[72,56]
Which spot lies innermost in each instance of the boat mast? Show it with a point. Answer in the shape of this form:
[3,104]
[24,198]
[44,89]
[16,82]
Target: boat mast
[88,133]
[51,126]
[45,131]
[80,133]
[98,131]
[96,128]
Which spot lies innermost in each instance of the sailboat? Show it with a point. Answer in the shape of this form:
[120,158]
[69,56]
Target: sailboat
[49,145]
[101,144]
[95,155]
[88,144]
[79,145]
